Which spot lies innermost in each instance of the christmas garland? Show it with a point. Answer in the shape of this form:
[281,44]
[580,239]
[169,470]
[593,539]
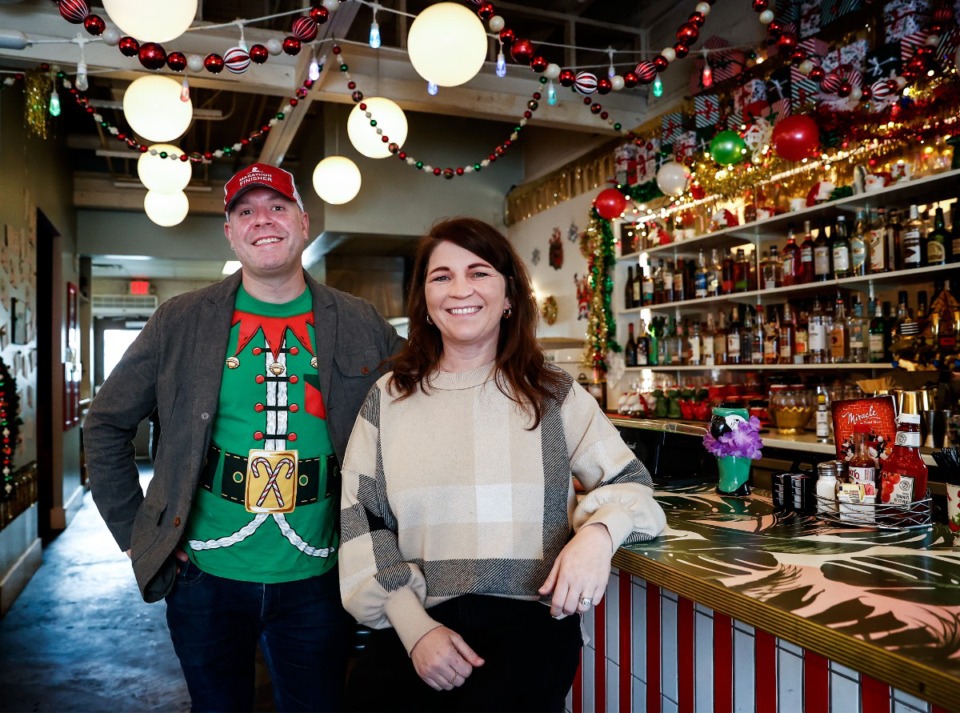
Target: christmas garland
[597,246]
[9,428]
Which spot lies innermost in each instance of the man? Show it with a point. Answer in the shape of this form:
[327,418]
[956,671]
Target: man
[257,381]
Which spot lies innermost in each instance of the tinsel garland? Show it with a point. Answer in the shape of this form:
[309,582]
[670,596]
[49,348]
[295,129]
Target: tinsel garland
[37,109]
[597,246]
[9,428]
[643,192]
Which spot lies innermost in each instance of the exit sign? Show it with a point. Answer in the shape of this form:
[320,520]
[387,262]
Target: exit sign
[139,287]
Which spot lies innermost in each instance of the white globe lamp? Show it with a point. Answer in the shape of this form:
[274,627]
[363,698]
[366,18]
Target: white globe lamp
[447,44]
[336,179]
[365,138]
[152,21]
[153,108]
[166,209]
[163,175]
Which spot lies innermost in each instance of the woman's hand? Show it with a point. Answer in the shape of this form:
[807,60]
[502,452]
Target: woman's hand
[443,659]
[579,575]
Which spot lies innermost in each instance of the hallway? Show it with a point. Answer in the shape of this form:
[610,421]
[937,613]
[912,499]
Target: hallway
[80,638]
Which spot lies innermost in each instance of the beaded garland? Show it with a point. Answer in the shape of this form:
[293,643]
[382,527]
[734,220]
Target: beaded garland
[9,428]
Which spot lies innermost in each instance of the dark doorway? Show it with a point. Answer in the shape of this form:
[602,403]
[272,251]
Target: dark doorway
[49,428]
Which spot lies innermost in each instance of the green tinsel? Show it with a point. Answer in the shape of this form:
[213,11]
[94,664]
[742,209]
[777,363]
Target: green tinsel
[598,248]
[643,192]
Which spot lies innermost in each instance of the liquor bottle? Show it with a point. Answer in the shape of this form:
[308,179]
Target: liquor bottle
[937,240]
[801,342]
[773,270]
[879,255]
[643,345]
[741,272]
[668,344]
[637,288]
[658,285]
[653,349]
[791,259]
[788,334]
[733,337]
[823,414]
[895,240]
[646,288]
[771,337]
[858,246]
[807,272]
[905,326]
[912,239]
[678,350]
[628,290]
[668,273]
[821,256]
[857,333]
[756,338]
[955,233]
[839,337]
[878,336]
[701,279]
[630,349]
[921,307]
[840,249]
[714,270]
[817,339]
[720,340]
[709,350]
[889,324]
[690,279]
[904,477]
[863,468]
[679,286]
[726,274]
[695,344]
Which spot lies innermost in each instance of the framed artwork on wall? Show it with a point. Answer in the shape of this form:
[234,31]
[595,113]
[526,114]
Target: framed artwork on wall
[71,360]
[18,321]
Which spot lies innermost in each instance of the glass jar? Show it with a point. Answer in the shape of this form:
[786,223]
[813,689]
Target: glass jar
[790,408]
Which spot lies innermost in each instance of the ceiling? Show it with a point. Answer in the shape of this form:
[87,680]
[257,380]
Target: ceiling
[236,105]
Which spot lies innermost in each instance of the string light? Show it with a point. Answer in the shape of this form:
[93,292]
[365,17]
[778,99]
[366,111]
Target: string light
[184,90]
[657,87]
[707,78]
[314,71]
[432,89]
[611,71]
[54,107]
[501,63]
[551,94]
[82,82]
[375,29]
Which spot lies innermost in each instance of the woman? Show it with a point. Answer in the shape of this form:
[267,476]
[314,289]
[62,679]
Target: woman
[458,503]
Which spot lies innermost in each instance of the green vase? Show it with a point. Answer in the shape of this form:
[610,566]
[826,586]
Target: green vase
[734,476]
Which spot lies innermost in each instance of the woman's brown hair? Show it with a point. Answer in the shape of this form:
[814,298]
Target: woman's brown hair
[520,361]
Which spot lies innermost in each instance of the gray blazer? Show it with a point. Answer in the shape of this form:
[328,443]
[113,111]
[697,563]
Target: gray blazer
[175,366]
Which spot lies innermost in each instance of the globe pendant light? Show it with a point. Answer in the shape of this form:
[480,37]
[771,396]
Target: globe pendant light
[152,21]
[390,120]
[447,44]
[154,109]
[166,209]
[163,175]
[336,179]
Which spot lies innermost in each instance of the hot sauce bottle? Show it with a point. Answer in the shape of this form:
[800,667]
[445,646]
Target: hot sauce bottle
[863,468]
[904,477]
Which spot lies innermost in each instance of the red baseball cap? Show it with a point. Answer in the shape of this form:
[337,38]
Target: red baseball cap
[260,175]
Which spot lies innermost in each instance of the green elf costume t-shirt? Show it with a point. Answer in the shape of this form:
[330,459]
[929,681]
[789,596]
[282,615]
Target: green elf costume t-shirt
[266,508]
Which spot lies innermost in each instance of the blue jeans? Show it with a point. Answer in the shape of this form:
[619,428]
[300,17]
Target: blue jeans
[302,629]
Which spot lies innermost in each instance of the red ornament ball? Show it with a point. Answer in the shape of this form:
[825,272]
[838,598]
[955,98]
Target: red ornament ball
[610,203]
[796,138]
[291,45]
[567,78]
[817,74]
[152,55]
[646,72]
[787,41]
[213,63]
[304,29]
[688,33]
[595,108]
[319,14]
[539,64]
[697,19]
[522,51]
[237,60]
[74,11]
[760,5]
[94,24]
[845,89]
[486,11]
[177,61]
[681,49]
[604,86]
[660,63]
[507,36]
[259,54]
[797,56]
[630,80]
[775,29]
[129,47]
[585,83]
[943,14]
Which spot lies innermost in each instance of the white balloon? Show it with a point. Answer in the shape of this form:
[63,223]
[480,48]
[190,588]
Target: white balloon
[365,138]
[672,178]
[336,179]
[447,44]
[153,108]
[164,175]
[166,209]
[152,21]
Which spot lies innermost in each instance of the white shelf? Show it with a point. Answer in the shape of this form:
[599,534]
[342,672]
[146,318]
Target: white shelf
[766,367]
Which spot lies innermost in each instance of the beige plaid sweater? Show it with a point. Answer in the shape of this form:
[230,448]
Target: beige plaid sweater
[447,493]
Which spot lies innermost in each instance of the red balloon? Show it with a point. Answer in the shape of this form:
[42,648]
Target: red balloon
[796,138]
[610,203]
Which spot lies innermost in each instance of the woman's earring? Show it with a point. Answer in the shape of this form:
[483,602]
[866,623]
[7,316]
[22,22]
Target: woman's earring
[507,312]
[429,321]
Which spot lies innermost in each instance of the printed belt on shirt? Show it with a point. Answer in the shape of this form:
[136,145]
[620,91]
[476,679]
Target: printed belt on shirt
[280,481]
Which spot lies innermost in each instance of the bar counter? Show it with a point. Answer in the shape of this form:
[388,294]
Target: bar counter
[885,603]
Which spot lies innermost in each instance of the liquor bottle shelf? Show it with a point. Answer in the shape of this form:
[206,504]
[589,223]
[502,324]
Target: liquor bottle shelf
[847,366]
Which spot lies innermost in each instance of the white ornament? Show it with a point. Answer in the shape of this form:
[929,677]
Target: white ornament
[110,36]
[616,82]
[496,23]
[668,53]
[703,8]
[274,46]
[552,71]
[331,5]
[766,17]
[806,66]
[195,63]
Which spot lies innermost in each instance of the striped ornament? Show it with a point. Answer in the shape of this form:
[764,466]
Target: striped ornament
[831,82]
[884,88]
[304,29]
[646,72]
[74,10]
[585,83]
[236,60]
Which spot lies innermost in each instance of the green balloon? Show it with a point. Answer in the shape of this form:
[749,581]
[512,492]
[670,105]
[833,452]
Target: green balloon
[727,148]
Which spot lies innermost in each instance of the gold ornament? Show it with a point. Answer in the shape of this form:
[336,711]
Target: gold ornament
[549,310]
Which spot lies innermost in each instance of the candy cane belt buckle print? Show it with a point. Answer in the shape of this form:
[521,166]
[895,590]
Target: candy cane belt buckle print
[271,481]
